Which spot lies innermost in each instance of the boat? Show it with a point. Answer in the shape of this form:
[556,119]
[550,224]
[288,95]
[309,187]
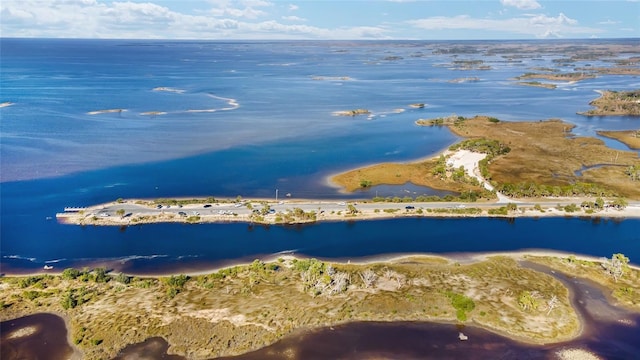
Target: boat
[48,267]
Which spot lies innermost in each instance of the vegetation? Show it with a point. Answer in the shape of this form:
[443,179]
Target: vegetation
[613,273]
[631,138]
[462,304]
[258,303]
[575,76]
[615,103]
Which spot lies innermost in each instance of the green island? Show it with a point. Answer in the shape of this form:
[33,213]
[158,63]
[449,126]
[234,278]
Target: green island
[609,103]
[245,307]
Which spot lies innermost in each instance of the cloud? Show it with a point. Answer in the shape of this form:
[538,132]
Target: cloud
[609,22]
[522,4]
[226,19]
[533,25]
[294,18]
[293,7]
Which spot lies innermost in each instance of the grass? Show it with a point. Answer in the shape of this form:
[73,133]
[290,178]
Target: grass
[626,290]
[631,138]
[541,153]
[246,307]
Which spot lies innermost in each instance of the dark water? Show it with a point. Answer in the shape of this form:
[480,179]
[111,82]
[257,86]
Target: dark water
[162,248]
[48,341]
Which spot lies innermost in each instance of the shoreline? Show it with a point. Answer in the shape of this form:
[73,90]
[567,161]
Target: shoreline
[463,258]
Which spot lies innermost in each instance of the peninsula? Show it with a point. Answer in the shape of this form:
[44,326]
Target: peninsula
[625,103]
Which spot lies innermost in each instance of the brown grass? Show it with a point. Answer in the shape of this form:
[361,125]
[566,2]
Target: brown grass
[418,173]
[542,152]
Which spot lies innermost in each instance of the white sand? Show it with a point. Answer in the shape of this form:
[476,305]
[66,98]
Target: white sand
[576,354]
[470,160]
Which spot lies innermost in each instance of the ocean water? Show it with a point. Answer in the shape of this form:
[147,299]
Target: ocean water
[193,118]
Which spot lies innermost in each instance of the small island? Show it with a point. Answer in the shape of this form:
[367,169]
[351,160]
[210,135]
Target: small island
[354,112]
[556,76]
[538,84]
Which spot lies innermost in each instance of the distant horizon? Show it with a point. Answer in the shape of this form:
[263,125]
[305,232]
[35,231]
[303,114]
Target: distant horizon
[321,40]
[320,19]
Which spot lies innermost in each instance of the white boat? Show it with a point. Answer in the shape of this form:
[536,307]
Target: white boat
[48,267]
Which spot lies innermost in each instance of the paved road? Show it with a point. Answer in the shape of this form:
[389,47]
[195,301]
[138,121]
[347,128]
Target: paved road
[317,206]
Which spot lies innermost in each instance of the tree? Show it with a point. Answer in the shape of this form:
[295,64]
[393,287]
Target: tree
[352,209]
[70,273]
[265,208]
[552,304]
[122,278]
[120,212]
[528,300]
[619,203]
[599,203]
[68,301]
[100,275]
[616,266]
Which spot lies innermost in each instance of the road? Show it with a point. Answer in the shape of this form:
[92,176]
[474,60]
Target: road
[319,206]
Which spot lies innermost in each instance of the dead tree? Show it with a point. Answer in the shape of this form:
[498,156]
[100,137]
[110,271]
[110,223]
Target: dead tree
[368,277]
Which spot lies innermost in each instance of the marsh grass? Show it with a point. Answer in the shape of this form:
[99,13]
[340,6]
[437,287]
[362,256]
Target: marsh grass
[241,308]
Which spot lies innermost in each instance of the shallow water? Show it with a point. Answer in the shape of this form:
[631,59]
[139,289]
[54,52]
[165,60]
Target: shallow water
[46,339]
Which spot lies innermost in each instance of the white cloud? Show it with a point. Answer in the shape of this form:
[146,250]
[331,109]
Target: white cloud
[522,4]
[532,25]
[609,22]
[294,18]
[227,19]
[293,7]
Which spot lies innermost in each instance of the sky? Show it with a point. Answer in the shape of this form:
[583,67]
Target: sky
[320,19]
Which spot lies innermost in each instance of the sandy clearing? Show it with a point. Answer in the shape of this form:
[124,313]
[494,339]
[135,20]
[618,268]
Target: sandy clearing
[469,160]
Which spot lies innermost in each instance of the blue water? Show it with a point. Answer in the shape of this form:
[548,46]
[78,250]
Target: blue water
[245,118]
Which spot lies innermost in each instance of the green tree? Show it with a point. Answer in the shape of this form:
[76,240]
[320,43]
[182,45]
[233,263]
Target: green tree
[120,212]
[68,300]
[71,273]
[122,278]
[100,275]
[599,203]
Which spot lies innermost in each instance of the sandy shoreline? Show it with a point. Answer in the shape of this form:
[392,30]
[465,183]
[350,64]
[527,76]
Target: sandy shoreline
[463,258]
